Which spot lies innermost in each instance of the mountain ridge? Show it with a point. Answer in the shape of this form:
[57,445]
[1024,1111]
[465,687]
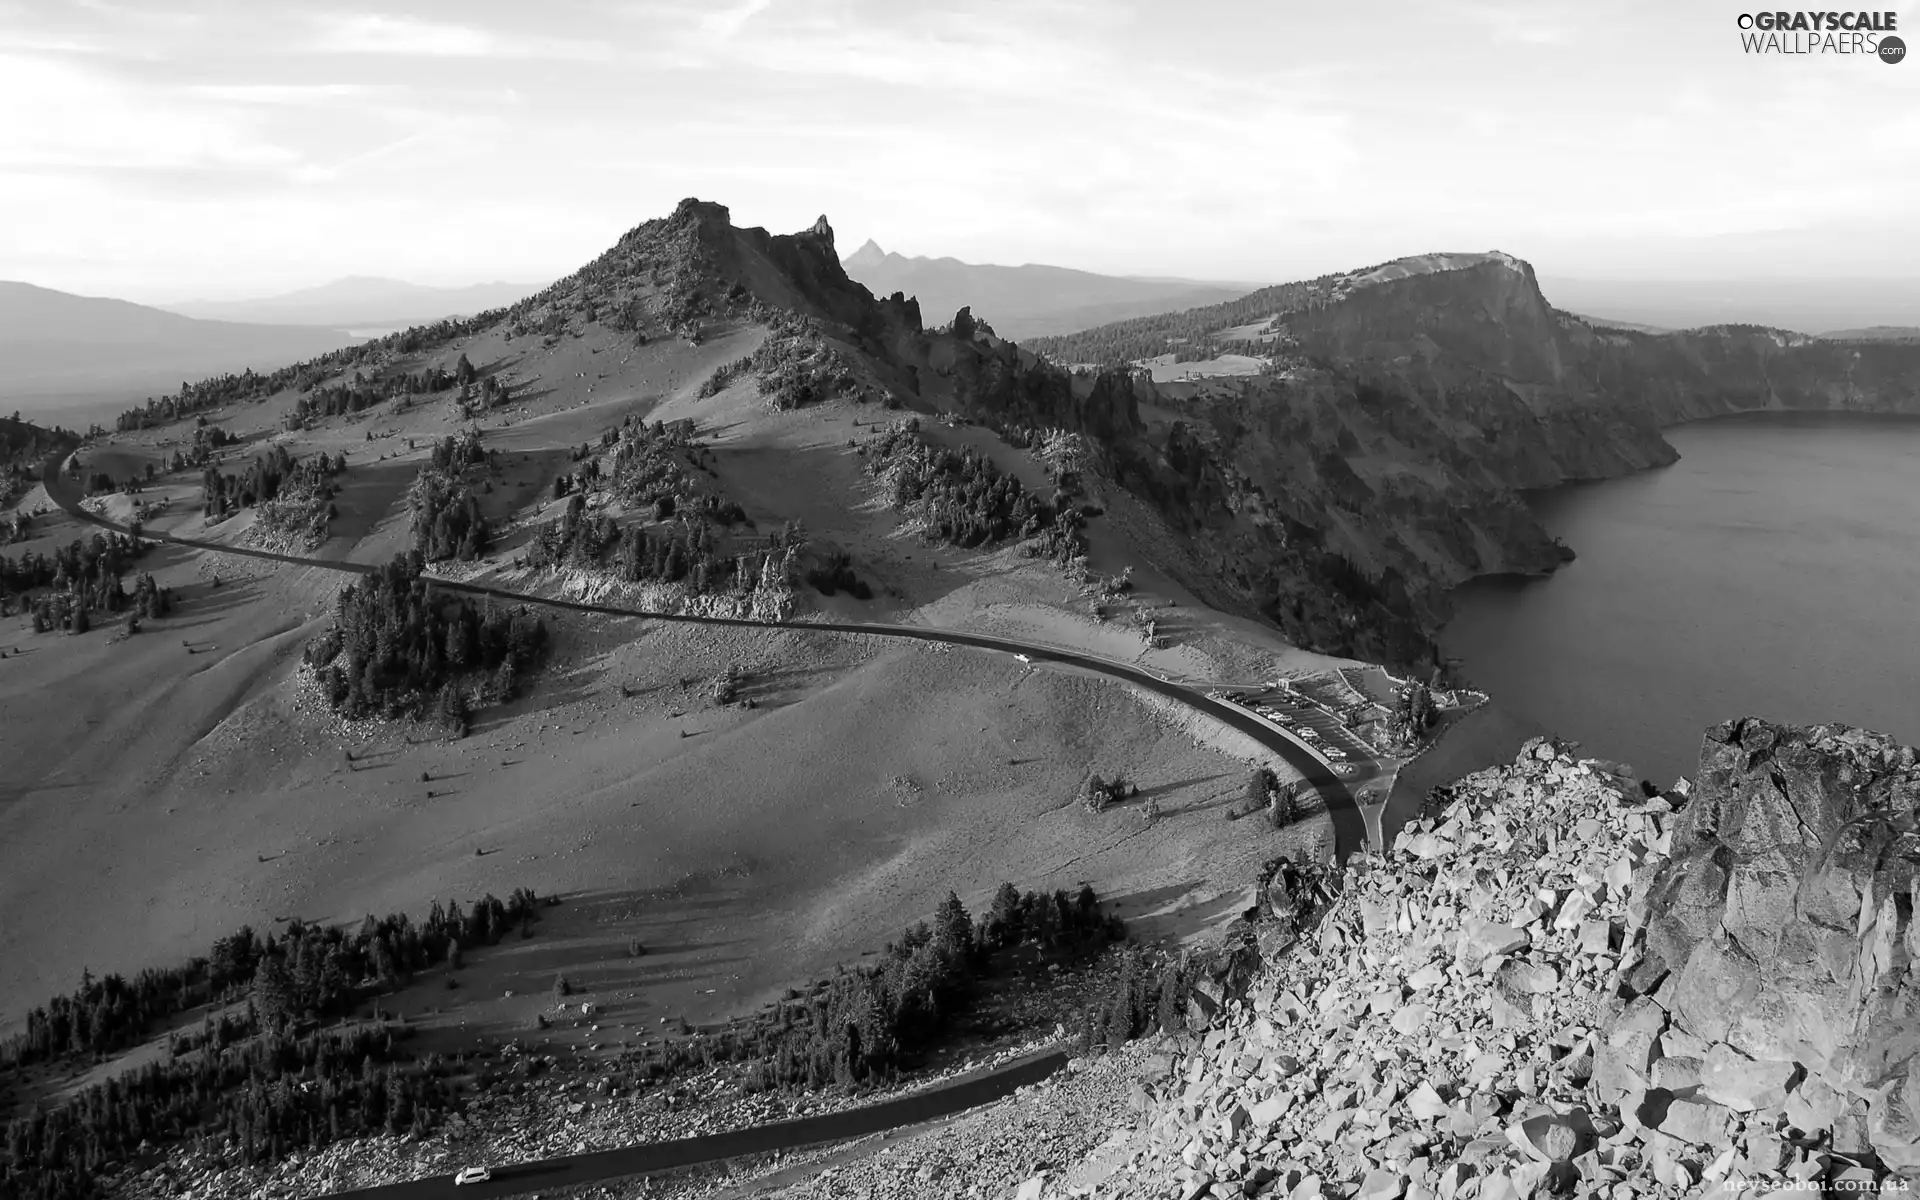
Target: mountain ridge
[52,341]
[1342,494]
[1028,299]
[360,301]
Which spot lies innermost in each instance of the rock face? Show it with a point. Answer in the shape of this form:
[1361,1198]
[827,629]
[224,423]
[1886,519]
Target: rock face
[1781,943]
[1433,1033]
[1557,987]
[1414,402]
[1342,495]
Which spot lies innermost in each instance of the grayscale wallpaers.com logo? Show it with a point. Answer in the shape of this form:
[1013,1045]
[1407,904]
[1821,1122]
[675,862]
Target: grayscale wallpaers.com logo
[1862,33]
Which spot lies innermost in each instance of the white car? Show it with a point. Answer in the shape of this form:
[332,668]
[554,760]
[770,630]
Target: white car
[472,1175]
[1309,734]
[1330,752]
[1023,658]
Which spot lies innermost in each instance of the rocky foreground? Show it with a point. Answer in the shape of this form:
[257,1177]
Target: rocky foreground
[1559,986]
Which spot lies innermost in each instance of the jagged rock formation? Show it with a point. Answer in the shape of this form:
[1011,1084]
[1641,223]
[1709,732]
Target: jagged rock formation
[1341,496]
[1433,1035]
[1780,948]
[1410,404]
[1454,1026]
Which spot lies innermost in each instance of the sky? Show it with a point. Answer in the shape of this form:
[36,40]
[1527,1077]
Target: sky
[165,150]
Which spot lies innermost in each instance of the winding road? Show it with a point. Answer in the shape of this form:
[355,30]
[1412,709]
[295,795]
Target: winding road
[599,1166]
[1349,832]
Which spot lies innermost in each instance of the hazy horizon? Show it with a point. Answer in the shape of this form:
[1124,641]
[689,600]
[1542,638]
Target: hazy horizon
[188,150]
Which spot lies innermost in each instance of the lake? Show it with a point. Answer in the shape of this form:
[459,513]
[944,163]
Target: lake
[1774,571]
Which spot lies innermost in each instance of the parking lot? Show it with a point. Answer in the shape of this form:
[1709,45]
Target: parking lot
[1300,714]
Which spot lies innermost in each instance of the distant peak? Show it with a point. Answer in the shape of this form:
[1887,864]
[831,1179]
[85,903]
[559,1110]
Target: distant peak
[868,255]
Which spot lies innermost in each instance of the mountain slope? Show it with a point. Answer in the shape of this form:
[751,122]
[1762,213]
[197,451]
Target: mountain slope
[1377,463]
[52,341]
[361,301]
[1029,300]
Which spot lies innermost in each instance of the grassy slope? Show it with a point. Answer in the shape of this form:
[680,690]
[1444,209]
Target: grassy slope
[162,798]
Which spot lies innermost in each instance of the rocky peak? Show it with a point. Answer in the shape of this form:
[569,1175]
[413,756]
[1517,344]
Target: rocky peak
[1779,975]
[820,229]
[868,255]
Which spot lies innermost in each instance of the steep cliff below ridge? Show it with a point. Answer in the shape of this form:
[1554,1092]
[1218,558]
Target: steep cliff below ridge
[1408,408]
[1343,494]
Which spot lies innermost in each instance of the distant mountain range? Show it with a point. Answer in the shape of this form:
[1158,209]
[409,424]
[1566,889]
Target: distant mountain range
[1029,300]
[1872,308]
[55,344]
[361,302]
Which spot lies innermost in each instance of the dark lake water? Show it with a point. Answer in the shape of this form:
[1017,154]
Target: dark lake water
[1774,571]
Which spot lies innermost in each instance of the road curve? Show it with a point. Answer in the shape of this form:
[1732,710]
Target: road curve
[1349,828]
[600,1166]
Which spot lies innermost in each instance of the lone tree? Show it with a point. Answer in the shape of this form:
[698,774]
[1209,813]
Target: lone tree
[726,686]
[1097,793]
[1283,806]
[1260,783]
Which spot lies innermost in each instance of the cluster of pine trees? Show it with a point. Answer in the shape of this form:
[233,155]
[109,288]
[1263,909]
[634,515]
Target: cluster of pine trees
[1414,714]
[795,366]
[264,1079]
[654,466]
[866,1024]
[85,577]
[363,392]
[447,521]
[273,1094]
[400,648]
[682,549]
[23,446]
[207,439]
[959,496]
[251,385]
[654,473]
[224,493]
[1142,996]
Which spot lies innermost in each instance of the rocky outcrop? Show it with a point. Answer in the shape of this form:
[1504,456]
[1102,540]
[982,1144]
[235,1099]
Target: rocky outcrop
[1777,988]
[1556,986]
[1344,496]
[1433,1033]
[1416,402]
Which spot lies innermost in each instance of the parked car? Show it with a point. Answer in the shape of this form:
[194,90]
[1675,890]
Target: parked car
[472,1175]
[1330,752]
[1023,658]
[1310,734]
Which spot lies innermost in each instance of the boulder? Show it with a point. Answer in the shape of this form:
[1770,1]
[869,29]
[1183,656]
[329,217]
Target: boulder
[1624,1057]
[1697,1121]
[1780,934]
[1731,1078]
[1481,939]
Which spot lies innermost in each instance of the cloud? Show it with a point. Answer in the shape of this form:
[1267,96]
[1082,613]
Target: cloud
[729,21]
[1532,24]
[287,94]
[100,122]
[374,34]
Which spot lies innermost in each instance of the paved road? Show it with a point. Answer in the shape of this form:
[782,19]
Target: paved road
[601,1166]
[1349,830]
